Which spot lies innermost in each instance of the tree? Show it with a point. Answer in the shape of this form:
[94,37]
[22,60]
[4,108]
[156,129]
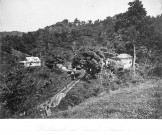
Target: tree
[135,28]
[133,38]
[76,22]
[16,91]
[65,21]
[89,59]
[136,15]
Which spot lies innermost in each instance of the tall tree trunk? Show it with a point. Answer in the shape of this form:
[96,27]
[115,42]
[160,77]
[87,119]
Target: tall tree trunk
[0,50]
[134,58]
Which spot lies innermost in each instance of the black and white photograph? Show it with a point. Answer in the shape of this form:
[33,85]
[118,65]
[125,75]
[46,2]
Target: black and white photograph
[80,59]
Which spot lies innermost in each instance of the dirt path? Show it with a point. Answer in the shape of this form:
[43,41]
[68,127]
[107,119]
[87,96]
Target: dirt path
[55,100]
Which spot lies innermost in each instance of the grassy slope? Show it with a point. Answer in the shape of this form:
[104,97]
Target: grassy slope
[142,101]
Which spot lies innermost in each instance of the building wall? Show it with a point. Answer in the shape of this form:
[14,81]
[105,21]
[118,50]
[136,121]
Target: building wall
[32,64]
[127,63]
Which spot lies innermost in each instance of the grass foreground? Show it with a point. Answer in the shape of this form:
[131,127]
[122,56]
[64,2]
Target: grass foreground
[141,101]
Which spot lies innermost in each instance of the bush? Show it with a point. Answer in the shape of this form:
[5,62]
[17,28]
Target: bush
[26,88]
[157,71]
[79,94]
[123,78]
[16,91]
[150,69]
[108,80]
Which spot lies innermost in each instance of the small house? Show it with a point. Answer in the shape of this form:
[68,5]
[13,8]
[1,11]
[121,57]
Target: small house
[31,62]
[126,59]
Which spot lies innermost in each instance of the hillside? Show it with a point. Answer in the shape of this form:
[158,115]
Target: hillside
[80,45]
[12,33]
[143,101]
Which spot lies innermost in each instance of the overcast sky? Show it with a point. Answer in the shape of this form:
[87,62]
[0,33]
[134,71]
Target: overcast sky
[30,15]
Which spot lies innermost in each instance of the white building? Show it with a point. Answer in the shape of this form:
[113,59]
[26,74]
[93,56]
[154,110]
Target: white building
[126,59]
[31,62]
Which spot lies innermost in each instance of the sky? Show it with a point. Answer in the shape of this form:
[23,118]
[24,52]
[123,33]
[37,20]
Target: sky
[30,15]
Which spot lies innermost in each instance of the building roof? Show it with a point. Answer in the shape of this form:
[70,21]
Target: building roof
[115,58]
[32,59]
[124,56]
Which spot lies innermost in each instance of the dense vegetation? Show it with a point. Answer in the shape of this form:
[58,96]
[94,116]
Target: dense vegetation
[132,32]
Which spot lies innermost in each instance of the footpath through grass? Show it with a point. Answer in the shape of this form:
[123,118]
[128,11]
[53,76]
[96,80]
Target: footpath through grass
[143,101]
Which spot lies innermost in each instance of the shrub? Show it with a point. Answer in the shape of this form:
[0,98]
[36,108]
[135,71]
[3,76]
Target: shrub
[26,88]
[88,59]
[79,94]
[16,91]
[108,80]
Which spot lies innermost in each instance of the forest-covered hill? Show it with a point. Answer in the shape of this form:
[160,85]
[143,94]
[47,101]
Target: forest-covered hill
[12,33]
[22,89]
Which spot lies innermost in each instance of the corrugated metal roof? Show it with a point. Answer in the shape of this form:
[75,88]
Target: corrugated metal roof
[124,56]
[32,59]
